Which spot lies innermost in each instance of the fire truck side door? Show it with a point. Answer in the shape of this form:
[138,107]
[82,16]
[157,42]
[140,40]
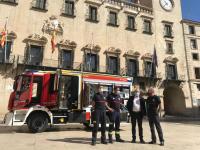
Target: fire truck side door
[23,92]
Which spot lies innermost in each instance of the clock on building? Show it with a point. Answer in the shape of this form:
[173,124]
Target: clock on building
[167,4]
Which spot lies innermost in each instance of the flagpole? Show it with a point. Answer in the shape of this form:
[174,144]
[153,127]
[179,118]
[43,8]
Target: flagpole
[5,58]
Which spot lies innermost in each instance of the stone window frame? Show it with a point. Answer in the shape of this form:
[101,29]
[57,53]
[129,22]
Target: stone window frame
[68,46]
[149,19]
[193,26]
[114,10]
[167,50]
[133,56]
[197,56]
[195,40]
[195,73]
[93,49]
[88,13]
[171,24]
[127,21]
[171,61]
[34,7]
[113,52]
[37,40]
[63,11]
[9,2]
[11,36]
[148,58]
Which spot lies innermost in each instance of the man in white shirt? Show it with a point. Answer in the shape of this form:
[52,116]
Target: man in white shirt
[137,110]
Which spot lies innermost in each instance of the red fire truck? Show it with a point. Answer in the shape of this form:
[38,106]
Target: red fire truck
[42,98]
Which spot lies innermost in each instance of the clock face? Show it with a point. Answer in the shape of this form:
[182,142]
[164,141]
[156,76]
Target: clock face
[167,4]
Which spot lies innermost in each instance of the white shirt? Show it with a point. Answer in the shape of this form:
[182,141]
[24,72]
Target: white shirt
[136,103]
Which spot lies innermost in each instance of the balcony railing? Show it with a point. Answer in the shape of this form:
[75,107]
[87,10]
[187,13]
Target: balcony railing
[178,78]
[9,60]
[131,5]
[54,63]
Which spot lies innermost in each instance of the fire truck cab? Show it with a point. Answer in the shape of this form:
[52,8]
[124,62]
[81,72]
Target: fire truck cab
[42,98]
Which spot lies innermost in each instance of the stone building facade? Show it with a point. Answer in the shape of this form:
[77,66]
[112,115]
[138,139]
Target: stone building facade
[191,31]
[107,36]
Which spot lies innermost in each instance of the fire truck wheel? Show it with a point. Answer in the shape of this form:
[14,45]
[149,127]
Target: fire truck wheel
[37,123]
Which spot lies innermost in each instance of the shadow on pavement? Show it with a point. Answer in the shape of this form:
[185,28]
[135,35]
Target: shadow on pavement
[78,140]
[73,140]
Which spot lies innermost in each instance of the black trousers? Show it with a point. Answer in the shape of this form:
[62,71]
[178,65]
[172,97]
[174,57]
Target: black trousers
[99,116]
[137,117]
[114,118]
[154,121]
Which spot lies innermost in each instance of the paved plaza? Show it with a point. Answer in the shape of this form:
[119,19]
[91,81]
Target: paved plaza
[178,136]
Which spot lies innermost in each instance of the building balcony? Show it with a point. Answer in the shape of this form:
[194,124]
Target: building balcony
[169,35]
[176,78]
[51,63]
[9,60]
[130,5]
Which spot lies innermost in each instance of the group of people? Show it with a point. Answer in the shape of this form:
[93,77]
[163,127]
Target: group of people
[137,106]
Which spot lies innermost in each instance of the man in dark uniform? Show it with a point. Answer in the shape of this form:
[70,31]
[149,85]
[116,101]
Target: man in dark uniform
[153,109]
[100,104]
[137,110]
[114,102]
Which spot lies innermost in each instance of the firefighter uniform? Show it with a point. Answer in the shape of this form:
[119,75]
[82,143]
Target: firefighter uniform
[99,116]
[114,101]
[152,105]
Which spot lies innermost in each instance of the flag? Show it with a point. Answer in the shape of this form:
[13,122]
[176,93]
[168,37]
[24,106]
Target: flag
[3,39]
[154,58]
[53,41]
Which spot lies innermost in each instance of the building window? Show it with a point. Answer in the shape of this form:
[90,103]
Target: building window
[40,4]
[169,46]
[171,72]
[131,22]
[197,73]
[191,29]
[195,56]
[91,62]
[113,65]
[35,55]
[147,27]
[69,8]
[92,14]
[198,87]
[168,31]
[113,20]
[150,69]
[193,43]
[6,48]
[132,67]
[9,1]
[66,61]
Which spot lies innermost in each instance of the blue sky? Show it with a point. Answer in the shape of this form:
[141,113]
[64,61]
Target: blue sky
[191,9]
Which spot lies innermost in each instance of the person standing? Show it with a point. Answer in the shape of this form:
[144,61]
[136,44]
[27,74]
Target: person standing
[114,102]
[137,110]
[99,104]
[153,108]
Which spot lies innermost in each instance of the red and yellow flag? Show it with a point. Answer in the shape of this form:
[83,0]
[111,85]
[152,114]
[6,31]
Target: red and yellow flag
[53,41]
[3,39]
